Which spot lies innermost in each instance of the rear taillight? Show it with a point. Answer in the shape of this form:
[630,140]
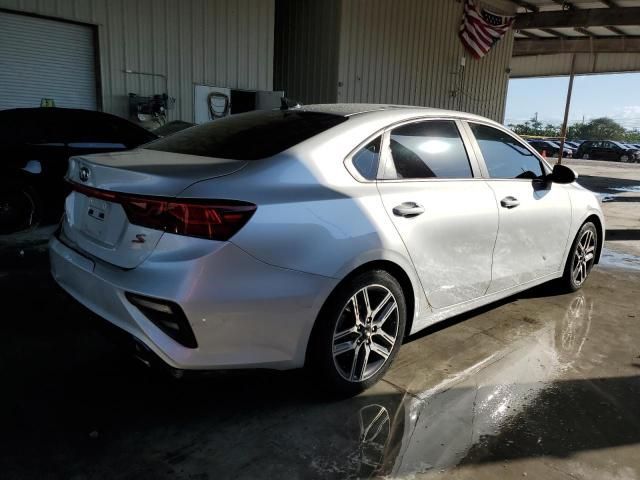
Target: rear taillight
[211,219]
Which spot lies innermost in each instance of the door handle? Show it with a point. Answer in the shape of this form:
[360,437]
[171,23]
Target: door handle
[408,209]
[509,202]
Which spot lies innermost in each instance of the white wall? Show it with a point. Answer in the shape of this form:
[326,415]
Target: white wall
[218,42]
[408,52]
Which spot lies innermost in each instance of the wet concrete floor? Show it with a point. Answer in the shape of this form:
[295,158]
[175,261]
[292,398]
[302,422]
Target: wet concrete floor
[539,385]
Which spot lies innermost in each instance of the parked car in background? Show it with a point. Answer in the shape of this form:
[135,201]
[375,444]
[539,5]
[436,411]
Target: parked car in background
[572,144]
[36,145]
[608,150]
[319,236]
[550,148]
[569,150]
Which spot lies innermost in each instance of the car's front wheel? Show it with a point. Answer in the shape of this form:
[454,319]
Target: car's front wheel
[581,258]
[585,156]
[624,157]
[359,332]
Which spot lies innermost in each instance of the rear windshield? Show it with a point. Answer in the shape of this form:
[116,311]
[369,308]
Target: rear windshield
[248,136]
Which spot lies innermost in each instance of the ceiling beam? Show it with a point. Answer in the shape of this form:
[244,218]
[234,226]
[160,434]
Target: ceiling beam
[615,30]
[525,5]
[565,4]
[528,34]
[584,31]
[555,33]
[548,46]
[594,17]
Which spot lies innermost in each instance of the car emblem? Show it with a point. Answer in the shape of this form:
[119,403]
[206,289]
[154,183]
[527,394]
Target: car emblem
[84,174]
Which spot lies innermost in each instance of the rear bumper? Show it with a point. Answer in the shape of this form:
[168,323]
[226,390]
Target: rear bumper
[244,313]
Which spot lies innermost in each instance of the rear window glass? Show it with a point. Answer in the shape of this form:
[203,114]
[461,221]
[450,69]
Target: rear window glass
[248,136]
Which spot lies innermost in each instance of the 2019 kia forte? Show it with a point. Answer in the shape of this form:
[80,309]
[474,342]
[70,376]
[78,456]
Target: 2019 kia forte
[318,236]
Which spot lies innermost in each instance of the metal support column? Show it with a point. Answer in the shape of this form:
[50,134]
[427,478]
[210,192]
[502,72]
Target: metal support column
[563,132]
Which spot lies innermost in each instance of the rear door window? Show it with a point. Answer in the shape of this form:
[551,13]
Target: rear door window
[429,149]
[248,136]
[504,156]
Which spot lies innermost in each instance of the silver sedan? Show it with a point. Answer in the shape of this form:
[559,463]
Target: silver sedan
[319,236]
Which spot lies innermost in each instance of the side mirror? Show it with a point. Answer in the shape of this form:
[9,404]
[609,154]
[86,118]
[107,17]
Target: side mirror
[563,174]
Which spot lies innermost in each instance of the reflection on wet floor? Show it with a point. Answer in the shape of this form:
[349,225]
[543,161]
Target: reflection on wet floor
[611,258]
[532,398]
[453,419]
[542,384]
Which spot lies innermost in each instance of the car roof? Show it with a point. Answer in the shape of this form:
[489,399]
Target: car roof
[388,110]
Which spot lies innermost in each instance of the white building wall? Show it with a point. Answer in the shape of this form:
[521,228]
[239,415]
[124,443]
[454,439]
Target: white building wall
[218,42]
[408,52]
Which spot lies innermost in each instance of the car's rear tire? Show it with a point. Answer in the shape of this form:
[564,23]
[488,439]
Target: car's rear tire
[20,207]
[581,258]
[358,333]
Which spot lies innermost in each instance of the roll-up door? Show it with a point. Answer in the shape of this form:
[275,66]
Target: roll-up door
[43,58]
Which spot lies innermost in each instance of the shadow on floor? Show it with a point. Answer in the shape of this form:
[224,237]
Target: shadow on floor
[608,184]
[623,234]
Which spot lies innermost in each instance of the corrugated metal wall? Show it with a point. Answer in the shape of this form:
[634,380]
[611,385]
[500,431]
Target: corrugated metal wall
[560,64]
[36,58]
[306,49]
[408,52]
[219,42]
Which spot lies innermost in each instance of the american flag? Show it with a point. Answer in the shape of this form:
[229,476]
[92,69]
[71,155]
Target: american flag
[481,29]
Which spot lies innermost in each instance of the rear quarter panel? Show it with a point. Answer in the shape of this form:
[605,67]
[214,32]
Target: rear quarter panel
[312,215]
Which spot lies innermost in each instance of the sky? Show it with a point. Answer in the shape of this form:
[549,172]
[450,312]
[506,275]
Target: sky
[616,96]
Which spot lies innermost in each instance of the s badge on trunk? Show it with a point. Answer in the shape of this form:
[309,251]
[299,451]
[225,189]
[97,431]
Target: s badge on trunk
[84,174]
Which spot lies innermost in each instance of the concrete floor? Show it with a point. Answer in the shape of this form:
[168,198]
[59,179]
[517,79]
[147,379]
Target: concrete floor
[540,385]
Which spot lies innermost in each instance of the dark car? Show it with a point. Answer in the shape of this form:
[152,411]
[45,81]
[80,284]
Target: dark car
[572,144]
[550,148]
[36,144]
[607,150]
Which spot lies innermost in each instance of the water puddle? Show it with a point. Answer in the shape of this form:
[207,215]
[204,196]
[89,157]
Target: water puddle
[614,259]
[457,420]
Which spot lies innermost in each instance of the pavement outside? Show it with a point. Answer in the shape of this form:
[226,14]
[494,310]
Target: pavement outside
[539,385]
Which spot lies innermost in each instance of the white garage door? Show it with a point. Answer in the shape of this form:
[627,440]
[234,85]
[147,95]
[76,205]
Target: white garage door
[42,58]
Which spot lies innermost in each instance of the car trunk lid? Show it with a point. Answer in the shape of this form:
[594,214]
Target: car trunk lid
[96,221]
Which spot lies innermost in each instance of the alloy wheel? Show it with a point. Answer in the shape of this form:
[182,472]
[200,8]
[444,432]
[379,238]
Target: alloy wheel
[365,333]
[583,257]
